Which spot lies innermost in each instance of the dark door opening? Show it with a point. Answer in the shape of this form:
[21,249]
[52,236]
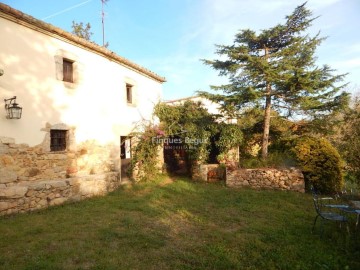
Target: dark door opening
[125,156]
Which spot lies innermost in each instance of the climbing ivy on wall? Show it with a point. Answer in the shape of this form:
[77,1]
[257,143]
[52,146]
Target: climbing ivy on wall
[145,153]
[192,125]
[230,137]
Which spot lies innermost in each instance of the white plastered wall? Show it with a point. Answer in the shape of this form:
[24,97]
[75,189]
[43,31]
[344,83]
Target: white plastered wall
[95,105]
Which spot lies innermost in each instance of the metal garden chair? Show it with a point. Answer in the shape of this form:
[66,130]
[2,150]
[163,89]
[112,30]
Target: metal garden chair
[323,202]
[326,215]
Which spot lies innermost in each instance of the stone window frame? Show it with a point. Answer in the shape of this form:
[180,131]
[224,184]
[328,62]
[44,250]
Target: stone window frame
[129,82]
[58,140]
[60,57]
[70,137]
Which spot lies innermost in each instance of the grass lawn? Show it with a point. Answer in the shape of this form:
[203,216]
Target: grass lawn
[178,225]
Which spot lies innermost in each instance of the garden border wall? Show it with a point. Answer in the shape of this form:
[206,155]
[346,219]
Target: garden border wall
[283,179]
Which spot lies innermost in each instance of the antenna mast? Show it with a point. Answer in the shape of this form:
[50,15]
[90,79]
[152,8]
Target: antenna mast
[102,19]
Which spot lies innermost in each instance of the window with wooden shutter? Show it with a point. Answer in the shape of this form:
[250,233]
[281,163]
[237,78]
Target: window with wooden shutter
[68,70]
[129,93]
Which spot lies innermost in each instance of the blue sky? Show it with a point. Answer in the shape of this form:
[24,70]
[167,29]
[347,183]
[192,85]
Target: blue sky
[171,36]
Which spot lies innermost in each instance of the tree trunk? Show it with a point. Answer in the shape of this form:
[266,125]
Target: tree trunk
[267,115]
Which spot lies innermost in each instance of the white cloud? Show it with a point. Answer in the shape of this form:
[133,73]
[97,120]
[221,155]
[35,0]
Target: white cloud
[347,64]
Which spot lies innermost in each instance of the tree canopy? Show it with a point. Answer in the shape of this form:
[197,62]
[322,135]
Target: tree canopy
[276,70]
[81,30]
[348,140]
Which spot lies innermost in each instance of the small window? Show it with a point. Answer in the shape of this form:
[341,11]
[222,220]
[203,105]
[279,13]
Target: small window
[129,90]
[68,70]
[58,140]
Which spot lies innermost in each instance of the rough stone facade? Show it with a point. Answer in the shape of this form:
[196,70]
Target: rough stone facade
[284,179]
[208,173]
[32,178]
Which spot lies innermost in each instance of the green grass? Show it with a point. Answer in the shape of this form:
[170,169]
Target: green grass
[177,225]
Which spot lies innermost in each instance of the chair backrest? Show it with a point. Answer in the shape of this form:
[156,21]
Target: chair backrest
[313,191]
[316,204]
[315,199]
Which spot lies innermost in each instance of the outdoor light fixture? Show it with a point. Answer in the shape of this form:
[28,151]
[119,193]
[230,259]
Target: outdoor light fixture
[13,111]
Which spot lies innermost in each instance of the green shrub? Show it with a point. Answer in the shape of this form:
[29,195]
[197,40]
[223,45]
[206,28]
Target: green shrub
[145,154]
[276,159]
[321,164]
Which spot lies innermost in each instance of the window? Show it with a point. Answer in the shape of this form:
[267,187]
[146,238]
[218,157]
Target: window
[58,140]
[129,90]
[68,70]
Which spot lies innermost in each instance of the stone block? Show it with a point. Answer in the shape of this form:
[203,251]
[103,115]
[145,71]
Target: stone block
[4,206]
[38,186]
[245,183]
[7,140]
[57,156]
[4,149]
[58,201]
[30,193]
[43,202]
[31,172]
[6,160]
[7,176]
[57,184]
[13,192]
[21,146]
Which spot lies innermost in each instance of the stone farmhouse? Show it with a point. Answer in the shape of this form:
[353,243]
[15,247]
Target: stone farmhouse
[68,107]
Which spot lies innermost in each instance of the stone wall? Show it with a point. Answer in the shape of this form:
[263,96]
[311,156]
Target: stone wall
[284,179]
[32,178]
[208,172]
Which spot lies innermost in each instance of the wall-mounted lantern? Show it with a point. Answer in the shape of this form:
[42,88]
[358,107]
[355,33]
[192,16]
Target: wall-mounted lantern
[13,111]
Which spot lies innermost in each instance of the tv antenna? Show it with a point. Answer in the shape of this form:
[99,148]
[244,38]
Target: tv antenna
[103,2]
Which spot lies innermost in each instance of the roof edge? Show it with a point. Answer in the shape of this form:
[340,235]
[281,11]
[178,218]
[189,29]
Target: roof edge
[181,99]
[68,36]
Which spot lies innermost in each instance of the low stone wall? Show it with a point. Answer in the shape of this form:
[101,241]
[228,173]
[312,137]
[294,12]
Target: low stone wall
[284,179]
[32,178]
[29,196]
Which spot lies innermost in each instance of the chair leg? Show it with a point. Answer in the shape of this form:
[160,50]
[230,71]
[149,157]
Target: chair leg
[312,230]
[322,227]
